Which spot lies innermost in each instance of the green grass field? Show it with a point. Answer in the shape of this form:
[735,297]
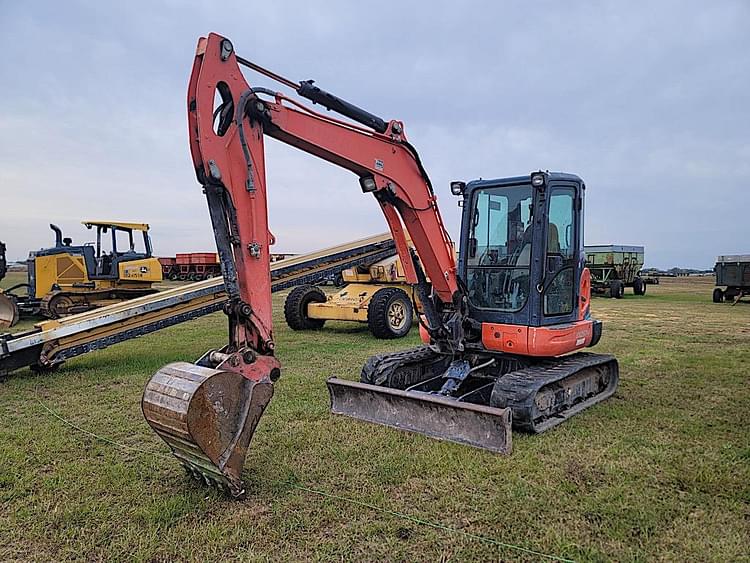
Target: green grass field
[659,472]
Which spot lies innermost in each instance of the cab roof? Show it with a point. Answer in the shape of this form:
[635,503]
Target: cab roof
[117,224]
[551,177]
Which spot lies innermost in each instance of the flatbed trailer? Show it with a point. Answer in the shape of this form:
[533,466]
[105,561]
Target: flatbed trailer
[52,342]
[733,273]
[614,267]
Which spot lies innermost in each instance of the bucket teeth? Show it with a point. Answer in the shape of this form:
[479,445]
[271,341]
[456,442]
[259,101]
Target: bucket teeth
[207,417]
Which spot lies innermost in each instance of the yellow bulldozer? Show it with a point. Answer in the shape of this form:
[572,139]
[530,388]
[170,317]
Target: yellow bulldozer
[66,279]
[378,295]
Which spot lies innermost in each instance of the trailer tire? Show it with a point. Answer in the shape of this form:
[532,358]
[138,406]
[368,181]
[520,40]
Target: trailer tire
[295,307]
[616,289]
[639,286]
[718,295]
[390,313]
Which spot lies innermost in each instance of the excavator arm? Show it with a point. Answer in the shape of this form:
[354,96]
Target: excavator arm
[207,412]
[227,145]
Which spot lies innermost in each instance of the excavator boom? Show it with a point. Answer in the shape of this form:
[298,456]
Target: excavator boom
[227,146]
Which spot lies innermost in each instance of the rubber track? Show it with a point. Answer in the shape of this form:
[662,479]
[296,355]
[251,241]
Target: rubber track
[518,389]
[394,370]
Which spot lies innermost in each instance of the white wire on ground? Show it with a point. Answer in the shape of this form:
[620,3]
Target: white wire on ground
[401,515]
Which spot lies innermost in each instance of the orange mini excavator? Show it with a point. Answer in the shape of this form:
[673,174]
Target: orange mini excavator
[499,328]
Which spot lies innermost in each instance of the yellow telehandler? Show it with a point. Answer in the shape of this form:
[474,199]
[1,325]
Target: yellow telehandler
[378,295]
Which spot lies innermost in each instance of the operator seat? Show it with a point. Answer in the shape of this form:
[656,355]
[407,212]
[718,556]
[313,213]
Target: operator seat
[104,265]
[553,240]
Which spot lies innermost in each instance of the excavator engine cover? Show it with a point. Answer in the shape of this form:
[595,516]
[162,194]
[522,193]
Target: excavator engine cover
[207,417]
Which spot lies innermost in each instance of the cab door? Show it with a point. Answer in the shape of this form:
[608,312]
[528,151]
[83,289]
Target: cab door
[562,257]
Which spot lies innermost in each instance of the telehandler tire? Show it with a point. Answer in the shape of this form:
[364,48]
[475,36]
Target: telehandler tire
[295,307]
[390,313]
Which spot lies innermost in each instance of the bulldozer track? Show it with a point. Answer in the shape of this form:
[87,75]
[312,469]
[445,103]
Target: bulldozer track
[80,302]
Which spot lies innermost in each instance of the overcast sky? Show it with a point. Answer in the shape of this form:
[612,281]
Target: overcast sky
[648,101]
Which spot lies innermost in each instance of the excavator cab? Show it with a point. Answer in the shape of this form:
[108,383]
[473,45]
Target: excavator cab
[521,252]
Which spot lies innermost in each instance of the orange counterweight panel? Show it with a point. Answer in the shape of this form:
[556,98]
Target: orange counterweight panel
[537,341]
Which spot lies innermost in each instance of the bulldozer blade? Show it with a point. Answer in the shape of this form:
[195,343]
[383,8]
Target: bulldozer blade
[433,415]
[207,417]
[8,311]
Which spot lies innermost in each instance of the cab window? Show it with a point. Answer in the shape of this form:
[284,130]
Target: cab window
[560,291]
[499,253]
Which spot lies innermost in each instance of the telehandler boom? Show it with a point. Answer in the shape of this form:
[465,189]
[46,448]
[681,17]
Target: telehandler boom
[494,325]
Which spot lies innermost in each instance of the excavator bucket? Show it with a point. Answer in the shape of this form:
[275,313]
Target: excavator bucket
[435,416]
[207,417]
[8,311]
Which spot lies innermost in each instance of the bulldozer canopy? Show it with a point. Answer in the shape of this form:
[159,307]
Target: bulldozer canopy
[117,224]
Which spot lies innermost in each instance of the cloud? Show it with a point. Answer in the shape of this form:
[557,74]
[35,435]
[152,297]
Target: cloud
[646,101]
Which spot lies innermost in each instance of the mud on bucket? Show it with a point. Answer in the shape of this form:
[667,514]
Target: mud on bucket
[207,417]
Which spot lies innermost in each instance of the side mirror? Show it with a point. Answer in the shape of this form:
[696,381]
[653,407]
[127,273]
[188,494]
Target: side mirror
[472,247]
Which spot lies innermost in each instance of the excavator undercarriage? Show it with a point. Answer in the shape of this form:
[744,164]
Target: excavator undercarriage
[532,394]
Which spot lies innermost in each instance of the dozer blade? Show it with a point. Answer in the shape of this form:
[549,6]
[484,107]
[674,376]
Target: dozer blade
[207,417]
[8,311]
[424,413]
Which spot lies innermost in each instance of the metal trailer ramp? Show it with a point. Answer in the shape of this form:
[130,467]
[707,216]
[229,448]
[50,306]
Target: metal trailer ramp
[430,414]
[52,342]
